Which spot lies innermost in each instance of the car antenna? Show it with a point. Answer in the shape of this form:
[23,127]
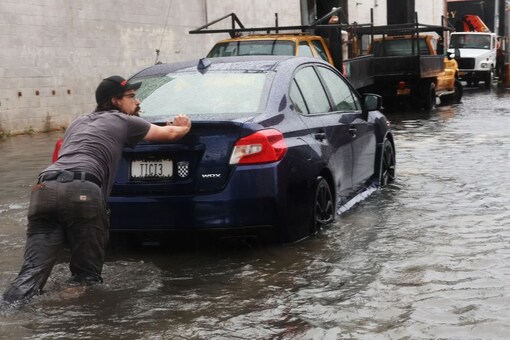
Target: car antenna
[157,57]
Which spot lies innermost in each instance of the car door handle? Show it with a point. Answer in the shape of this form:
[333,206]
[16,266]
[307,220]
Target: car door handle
[320,136]
[353,131]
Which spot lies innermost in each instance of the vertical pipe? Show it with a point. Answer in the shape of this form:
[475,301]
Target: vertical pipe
[205,12]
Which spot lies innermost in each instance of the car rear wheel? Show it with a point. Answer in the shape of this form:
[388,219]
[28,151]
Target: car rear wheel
[324,205]
[387,169]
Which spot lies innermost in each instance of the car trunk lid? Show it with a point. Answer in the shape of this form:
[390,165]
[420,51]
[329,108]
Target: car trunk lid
[197,163]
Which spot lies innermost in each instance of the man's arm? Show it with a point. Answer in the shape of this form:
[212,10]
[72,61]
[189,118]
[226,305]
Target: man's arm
[171,132]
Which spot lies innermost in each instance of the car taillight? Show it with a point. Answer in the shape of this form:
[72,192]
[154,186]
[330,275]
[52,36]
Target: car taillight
[263,146]
[58,144]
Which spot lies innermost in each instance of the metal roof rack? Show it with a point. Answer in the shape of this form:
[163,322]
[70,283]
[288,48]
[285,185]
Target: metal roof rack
[238,28]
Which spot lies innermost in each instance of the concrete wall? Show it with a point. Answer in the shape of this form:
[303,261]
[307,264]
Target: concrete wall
[55,52]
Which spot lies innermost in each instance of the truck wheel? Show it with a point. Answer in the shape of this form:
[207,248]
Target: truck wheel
[459,91]
[488,78]
[429,96]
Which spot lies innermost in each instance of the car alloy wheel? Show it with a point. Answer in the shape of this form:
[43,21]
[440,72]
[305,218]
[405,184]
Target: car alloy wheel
[324,207]
[387,172]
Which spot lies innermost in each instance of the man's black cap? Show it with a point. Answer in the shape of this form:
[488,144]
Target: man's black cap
[113,86]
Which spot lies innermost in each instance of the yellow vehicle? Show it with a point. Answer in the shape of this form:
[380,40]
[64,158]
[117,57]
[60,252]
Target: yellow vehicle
[307,42]
[298,44]
[448,81]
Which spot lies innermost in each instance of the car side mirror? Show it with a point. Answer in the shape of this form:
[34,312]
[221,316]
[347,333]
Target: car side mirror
[371,102]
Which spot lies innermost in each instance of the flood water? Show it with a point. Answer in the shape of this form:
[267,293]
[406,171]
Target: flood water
[425,258]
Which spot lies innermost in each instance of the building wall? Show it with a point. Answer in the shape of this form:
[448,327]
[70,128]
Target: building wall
[429,11]
[55,52]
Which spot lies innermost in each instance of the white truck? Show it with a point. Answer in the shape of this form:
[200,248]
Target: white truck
[475,53]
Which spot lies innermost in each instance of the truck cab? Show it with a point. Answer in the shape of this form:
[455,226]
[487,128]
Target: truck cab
[475,53]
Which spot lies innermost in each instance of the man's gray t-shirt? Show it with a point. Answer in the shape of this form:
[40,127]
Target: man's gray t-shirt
[93,143]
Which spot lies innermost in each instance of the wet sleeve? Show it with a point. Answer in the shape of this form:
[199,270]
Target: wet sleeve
[137,129]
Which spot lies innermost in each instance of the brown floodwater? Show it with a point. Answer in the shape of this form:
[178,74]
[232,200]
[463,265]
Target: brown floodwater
[427,257]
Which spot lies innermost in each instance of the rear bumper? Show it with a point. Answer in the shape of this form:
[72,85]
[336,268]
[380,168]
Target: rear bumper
[197,213]
[250,199]
[389,87]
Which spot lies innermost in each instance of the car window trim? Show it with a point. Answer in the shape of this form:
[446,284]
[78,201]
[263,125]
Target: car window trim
[328,93]
[307,113]
[312,65]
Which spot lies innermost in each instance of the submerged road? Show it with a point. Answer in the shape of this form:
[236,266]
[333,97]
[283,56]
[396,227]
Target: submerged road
[425,258]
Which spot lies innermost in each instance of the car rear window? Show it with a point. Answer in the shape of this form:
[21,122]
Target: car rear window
[214,94]
[253,47]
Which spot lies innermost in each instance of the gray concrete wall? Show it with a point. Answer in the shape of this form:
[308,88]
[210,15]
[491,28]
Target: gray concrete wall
[55,52]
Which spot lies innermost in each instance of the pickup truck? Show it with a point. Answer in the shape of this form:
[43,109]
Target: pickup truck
[407,66]
[357,70]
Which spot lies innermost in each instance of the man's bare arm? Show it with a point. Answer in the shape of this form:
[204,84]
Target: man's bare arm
[171,132]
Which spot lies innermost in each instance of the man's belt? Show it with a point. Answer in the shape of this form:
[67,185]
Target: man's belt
[68,176]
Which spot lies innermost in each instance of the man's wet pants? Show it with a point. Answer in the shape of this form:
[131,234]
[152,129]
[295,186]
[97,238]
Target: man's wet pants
[62,211]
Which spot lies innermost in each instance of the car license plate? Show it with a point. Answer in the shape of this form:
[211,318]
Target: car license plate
[403,92]
[153,169]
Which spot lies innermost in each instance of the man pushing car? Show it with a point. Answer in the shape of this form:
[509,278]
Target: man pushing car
[68,203]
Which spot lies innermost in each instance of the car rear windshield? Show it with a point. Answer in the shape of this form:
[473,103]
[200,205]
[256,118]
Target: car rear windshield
[259,47]
[213,94]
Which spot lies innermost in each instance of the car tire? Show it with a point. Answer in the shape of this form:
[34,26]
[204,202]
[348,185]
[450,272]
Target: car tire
[323,205]
[388,164]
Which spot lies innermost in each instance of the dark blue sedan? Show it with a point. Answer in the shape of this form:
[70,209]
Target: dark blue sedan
[276,146]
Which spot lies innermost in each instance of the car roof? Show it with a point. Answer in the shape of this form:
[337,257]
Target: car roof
[234,63]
